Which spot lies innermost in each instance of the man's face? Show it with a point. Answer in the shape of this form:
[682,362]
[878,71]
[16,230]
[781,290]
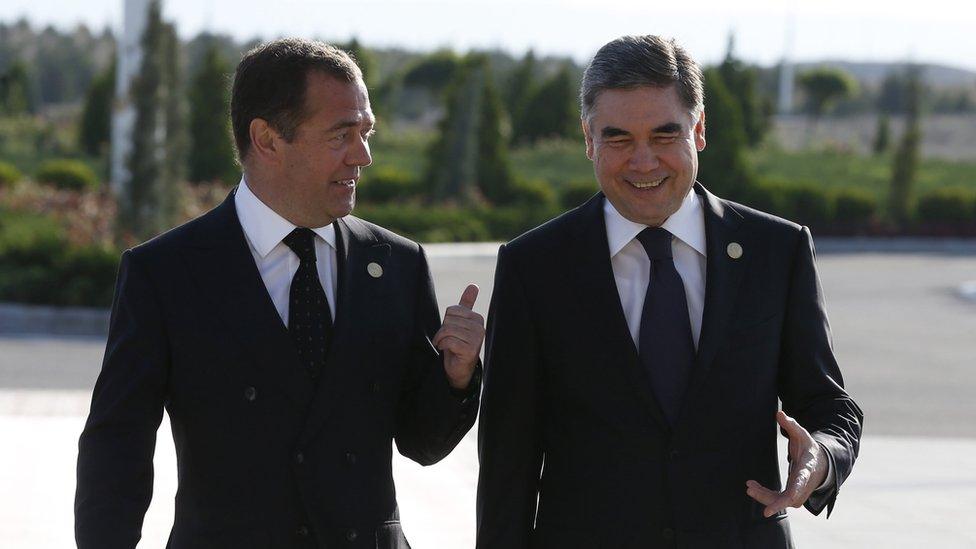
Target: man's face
[319,169]
[644,145]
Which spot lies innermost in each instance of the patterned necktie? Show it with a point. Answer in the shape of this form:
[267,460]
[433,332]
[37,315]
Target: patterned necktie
[309,316]
[666,348]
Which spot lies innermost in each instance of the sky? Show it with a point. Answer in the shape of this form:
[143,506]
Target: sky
[936,31]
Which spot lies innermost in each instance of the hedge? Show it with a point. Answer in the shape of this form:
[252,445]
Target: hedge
[9,174]
[67,174]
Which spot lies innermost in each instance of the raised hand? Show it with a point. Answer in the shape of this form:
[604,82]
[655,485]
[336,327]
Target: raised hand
[460,338]
[808,469]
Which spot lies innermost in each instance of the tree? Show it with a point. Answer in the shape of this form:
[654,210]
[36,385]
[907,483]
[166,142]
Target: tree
[882,136]
[722,166]
[824,86]
[468,158]
[363,58]
[521,84]
[15,90]
[148,201]
[95,128]
[906,156]
[211,154]
[742,83]
[551,110]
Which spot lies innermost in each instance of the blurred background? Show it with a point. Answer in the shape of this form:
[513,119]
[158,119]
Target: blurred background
[857,120]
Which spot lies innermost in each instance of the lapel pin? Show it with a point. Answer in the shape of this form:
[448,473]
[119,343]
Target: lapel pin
[374,270]
[734,250]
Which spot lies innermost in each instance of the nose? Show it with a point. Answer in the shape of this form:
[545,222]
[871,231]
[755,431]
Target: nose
[358,154]
[644,158]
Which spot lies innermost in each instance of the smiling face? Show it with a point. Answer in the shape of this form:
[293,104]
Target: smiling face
[319,168]
[644,144]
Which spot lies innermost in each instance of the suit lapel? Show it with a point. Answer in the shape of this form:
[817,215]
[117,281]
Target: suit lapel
[357,248]
[600,300]
[723,275]
[223,266]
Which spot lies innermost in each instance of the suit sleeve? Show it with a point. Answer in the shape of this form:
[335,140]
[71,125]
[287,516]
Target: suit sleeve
[115,452]
[510,449]
[432,418]
[810,384]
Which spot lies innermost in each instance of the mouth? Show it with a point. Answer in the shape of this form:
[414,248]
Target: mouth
[646,183]
[345,183]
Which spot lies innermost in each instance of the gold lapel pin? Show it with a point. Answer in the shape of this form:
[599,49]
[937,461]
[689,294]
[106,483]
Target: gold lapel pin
[734,249]
[375,270]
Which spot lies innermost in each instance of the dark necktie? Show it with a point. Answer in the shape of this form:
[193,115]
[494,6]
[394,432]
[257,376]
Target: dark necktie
[666,348]
[309,317]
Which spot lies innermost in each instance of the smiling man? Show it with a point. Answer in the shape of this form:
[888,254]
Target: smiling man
[639,346]
[288,341]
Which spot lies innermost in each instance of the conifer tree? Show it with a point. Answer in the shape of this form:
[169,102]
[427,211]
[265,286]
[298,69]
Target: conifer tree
[211,151]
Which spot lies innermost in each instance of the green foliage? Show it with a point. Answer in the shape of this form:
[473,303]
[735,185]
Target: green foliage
[882,136]
[95,129]
[9,174]
[211,152]
[469,156]
[951,205]
[824,86]
[804,203]
[15,90]
[906,158]
[722,166]
[577,192]
[550,112]
[521,83]
[37,264]
[741,81]
[533,193]
[148,202]
[427,224]
[363,58]
[67,174]
[434,72]
[385,185]
[854,206]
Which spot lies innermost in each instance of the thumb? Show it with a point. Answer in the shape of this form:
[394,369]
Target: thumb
[789,425]
[469,296]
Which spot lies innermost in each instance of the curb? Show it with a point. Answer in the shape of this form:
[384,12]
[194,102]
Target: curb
[18,319]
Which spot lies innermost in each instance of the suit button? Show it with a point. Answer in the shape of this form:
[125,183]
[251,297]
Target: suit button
[250,394]
[351,535]
[667,533]
[302,531]
[350,458]
[675,454]
[299,458]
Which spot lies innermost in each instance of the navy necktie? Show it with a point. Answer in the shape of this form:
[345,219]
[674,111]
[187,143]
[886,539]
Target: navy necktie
[309,316]
[666,348]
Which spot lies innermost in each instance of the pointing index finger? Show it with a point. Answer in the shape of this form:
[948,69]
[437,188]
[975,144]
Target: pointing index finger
[469,296]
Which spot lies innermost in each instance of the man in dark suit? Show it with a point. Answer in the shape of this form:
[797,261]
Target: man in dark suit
[282,418]
[637,347]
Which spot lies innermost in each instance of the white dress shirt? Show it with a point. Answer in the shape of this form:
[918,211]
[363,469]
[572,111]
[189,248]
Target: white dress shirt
[632,268]
[265,230]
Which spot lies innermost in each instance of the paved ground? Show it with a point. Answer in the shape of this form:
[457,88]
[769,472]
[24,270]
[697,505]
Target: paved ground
[904,334]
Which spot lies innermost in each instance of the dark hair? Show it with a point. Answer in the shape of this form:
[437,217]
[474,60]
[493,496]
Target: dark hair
[270,84]
[636,61]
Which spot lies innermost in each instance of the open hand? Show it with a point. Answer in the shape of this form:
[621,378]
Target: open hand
[460,338]
[808,469]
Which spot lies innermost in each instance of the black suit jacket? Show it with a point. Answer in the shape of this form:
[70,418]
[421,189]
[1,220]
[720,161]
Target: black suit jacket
[266,458]
[575,451]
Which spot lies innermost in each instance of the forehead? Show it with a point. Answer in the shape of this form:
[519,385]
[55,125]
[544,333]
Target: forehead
[329,97]
[639,107]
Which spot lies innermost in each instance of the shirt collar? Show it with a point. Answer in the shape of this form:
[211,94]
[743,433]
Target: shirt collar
[687,224]
[264,227]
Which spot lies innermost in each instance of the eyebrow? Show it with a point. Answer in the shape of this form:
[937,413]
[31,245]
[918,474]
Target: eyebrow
[611,131]
[670,127]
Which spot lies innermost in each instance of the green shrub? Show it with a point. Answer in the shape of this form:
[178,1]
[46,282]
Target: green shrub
[854,206]
[67,174]
[428,224]
[800,202]
[577,192]
[38,266]
[947,205]
[533,193]
[9,174]
[384,185]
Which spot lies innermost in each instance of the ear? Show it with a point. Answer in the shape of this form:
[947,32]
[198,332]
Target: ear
[265,141]
[587,137]
[699,132]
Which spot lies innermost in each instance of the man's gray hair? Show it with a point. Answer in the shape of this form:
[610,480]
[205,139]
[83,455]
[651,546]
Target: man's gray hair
[636,61]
